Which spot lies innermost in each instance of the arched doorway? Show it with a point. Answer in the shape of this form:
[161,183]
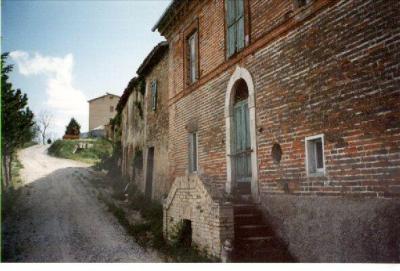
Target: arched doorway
[241,143]
[242,175]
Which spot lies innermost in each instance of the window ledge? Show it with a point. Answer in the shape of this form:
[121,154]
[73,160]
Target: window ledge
[316,174]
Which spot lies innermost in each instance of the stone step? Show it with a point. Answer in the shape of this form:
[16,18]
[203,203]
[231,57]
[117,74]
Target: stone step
[252,230]
[248,219]
[270,255]
[255,242]
[242,208]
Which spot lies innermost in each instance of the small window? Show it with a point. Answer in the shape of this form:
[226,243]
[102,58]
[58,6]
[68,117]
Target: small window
[111,109]
[192,152]
[192,57]
[235,26]
[154,95]
[315,160]
[302,3]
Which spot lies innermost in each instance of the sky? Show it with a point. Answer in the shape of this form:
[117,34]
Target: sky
[68,52]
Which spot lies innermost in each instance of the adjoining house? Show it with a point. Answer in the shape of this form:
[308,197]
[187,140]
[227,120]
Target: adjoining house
[101,110]
[144,125]
[284,128]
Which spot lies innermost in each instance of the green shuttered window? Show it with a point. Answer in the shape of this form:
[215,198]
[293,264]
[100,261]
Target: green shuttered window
[192,152]
[235,26]
[154,95]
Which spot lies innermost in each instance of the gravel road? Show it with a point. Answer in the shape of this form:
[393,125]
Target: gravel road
[59,219]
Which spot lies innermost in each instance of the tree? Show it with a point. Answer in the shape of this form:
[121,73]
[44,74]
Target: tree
[16,122]
[73,128]
[44,121]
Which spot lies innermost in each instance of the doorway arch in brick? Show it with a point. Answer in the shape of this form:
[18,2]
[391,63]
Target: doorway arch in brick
[240,74]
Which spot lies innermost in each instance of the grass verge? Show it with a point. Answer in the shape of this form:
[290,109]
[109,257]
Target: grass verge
[99,149]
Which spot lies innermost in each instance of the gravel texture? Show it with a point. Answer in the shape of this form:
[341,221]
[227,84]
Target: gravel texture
[58,218]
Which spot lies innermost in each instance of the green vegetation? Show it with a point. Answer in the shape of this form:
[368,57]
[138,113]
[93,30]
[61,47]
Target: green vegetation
[73,128]
[149,232]
[13,192]
[17,125]
[95,151]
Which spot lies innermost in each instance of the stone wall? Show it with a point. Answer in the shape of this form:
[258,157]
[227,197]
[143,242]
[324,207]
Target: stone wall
[156,128]
[203,204]
[133,136]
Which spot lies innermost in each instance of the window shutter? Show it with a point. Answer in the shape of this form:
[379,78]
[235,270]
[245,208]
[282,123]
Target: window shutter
[231,13]
[239,9]
[196,57]
[240,23]
[231,27]
[154,94]
[190,160]
[194,135]
[240,34]
[231,40]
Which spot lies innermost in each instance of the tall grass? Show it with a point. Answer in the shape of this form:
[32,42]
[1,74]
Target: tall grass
[65,149]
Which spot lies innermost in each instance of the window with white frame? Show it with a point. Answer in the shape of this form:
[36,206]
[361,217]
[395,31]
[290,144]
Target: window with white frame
[192,152]
[315,159]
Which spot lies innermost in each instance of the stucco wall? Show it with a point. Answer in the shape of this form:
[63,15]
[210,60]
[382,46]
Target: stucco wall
[99,110]
[336,229]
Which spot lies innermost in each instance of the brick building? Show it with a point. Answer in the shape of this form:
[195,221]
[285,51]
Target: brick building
[289,108]
[144,125]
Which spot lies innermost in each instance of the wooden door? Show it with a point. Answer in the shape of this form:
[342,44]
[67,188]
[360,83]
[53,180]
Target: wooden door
[242,143]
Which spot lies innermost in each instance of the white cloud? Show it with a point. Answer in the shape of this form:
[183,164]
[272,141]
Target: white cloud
[63,99]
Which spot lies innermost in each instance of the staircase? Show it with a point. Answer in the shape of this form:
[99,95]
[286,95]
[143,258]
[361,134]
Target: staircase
[255,240]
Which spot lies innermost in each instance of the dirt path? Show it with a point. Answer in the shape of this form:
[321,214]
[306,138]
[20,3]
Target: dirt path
[58,219]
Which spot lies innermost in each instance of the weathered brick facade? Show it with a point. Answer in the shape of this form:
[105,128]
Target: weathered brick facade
[144,127]
[329,68]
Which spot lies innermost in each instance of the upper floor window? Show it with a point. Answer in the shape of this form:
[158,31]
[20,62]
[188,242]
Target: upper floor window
[154,95]
[111,109]
[235,26]
[192,57]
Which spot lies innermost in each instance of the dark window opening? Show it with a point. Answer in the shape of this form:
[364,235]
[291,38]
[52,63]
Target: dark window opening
[315,155]
[301,3]
[241,91]
[276,153]
[111,109]
[185,235]
[318,153]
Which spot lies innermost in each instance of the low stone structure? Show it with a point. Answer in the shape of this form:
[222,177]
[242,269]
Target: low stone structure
[210,213]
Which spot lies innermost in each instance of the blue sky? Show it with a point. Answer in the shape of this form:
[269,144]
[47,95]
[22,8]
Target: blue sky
[67,52]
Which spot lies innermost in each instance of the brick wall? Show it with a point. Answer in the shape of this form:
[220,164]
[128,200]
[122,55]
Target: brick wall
[335,73]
